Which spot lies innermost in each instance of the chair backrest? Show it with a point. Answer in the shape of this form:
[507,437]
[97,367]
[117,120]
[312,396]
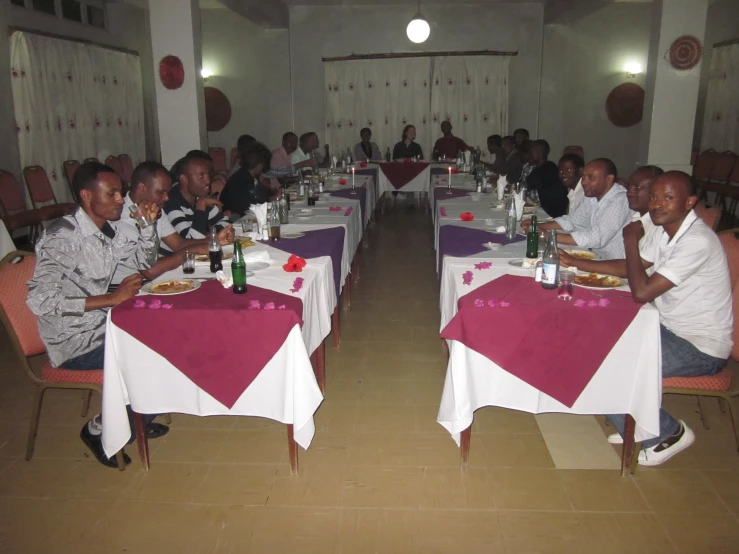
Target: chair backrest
[38,185]
[90,160]
[70,168]
[723,164]
[730,241]
[219,159]
[19,320]
[704,164]
[11,196]
[710,215]
[126,166]
[217,184]
[234,158]
[574,150]
[112,162]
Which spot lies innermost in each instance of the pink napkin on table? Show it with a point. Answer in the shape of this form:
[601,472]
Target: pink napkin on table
[334,208]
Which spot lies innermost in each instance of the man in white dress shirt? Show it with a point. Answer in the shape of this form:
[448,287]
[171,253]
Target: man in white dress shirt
[597,222]
[570,174]
[689,284]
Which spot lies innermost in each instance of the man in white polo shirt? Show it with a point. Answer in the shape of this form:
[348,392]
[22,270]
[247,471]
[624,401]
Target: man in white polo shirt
[689,284]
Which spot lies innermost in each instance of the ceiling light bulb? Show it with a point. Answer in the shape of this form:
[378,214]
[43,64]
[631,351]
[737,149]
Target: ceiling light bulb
[206,73]
[418,29]
[633,68]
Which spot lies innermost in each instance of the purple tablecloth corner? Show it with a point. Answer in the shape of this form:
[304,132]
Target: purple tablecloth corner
[461,242]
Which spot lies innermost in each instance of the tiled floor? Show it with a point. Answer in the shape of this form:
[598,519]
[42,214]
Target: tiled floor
[381,476]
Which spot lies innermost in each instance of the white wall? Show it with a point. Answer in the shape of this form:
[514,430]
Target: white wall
[322,31]
[583,62]
[128,28]
[251,67]
[722,24]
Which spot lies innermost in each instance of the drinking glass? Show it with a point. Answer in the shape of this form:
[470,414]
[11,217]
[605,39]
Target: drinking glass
[138,216]
[566,283]
[188,265]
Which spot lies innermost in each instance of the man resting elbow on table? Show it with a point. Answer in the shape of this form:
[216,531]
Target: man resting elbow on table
[75,261]
[597,221]
[688,282]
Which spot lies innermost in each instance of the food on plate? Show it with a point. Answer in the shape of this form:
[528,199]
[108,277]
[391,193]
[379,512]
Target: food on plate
[245,242]
[172,287]
[581,254]
[597,280]
[204,258]
[530,204]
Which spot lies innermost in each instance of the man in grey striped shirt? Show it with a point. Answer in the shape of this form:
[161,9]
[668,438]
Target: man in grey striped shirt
[597,221]
[190,209]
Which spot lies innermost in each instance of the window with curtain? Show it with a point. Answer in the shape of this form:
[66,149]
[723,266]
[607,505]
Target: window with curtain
[386,94]
[721,120]
[74,101]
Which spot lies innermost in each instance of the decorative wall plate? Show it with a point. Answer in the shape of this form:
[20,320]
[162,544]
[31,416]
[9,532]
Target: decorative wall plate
[685,53]
[217,109]
[171,72]
[625,105]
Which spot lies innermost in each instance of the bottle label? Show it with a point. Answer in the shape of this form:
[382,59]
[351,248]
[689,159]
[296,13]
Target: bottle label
[549,274]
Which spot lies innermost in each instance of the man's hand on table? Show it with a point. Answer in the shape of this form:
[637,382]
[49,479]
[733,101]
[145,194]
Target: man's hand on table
[129,287]
[565,260]
[203,203]
[226,235]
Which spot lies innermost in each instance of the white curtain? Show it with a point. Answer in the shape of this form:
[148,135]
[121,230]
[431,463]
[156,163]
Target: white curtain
[74,101]
[385,95]
[721,120]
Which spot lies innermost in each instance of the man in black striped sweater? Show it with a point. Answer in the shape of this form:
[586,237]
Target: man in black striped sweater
[190,209]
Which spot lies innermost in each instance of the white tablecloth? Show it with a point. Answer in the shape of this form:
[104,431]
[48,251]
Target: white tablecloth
[420,183]
[6,243]
[332,185]
[629,381]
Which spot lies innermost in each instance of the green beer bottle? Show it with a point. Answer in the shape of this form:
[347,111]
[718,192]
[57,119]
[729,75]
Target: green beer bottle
[238,270]
[532,240]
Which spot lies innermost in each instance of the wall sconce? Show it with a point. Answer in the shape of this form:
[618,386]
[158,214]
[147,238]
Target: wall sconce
[206,73]
[632,69]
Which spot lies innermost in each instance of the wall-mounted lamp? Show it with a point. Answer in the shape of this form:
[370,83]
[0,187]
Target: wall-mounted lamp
[206,73]
[632,69]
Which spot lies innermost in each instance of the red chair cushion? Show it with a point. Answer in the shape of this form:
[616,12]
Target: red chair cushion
[720,381]
[57,375]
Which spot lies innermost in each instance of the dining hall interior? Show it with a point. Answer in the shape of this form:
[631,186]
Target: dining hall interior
[384,385]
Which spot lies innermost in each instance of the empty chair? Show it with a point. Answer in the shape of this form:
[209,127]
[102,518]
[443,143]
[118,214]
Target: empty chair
[219,159]
[126,167]
[234,158]
[70,168]
[711,215]
[15,214]
[574,150]
[702,172]
[90,160]
[728,195]
[39,186]
[113,162]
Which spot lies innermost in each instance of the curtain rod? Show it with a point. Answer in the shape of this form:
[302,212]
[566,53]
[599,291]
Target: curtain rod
[12,30]
[726,42]
[355,57]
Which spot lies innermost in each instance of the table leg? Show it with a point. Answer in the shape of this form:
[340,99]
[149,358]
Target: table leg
[141,440]
[347,294]
[628,463]
[465,447]
[426,207]
[336,326]
[355,263]
[292,446]
[318,361]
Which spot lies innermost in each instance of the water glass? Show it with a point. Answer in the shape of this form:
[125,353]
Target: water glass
[566,283]
[138,216]
[188,265]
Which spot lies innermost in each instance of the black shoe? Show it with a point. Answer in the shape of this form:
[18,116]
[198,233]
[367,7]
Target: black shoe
[153,431]
[95,444]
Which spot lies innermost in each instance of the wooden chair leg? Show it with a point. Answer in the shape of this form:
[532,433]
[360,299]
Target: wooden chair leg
[141,440]
[120,460]
[464,444]
[38,399]
[627,453]
[292,446]
[703,411]
[722,405]
[86,403]
[336,326]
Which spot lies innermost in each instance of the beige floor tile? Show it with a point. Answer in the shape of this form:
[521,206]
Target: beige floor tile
[221,423]
[167,482]
[335,416]
[678,491]
[376,391]
[371,531]
[702,533]
[450,489]
[237,525]
[512,450]
[502,420]
[190,445]
[381,487]
[236,484]
[530,532]
[637,533]
[265,446]
[440,532]
[20,523]
[726,485]
[528,489]
[306,530]
[426,420]
[314,486]
[328,449]
[385,418]
[13,441]
[602,491]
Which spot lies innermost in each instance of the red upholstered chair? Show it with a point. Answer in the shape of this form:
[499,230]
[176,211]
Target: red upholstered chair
[126,167]
[90,160]
[234,158]
[70,168]
[217,184]
[38,185]
[719,385]
[15,270]
[113,162]
[702,171]
[711,215]
[219,159]
[574,150]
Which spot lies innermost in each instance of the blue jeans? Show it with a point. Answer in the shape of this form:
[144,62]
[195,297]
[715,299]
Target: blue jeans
[95,359]
[679,359]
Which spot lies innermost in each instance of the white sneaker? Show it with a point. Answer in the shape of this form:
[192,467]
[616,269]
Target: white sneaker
[615,438]
[660,453]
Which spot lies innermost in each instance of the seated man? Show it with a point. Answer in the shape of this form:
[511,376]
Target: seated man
[637,193]
[307,151]
[570,174]
[366,150]
[512,164]
[448,146]
[544,179]
[281,166]
[599,218]
[520,135]
[76,258]
[151,182]
[495,148]
[244,188]
[689,284]
[190,209]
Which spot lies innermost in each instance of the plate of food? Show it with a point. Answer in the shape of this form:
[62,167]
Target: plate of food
[245,242]
[291,235]
[530,204]
[598,281]
[529,211]
[581,253]
[173,286]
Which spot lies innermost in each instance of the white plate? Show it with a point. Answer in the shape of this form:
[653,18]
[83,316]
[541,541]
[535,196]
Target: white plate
[516,263]
[256,266]
[570,250]
[148,288]
[303,216]
[291,235]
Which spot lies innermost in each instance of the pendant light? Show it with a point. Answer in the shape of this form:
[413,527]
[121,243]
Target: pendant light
[418,29]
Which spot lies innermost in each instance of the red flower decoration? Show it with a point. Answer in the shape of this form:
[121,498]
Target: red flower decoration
[407,161]
[404,121]
[351,86]
[369,123]
[455,171]
[295,264]
[351,124]
[369,84]
[466,216]
[342,181]
[387,83]
[465,117]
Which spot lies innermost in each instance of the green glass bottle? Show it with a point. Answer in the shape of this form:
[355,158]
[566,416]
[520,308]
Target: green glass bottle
[388,156]
[532,240]
[238,270]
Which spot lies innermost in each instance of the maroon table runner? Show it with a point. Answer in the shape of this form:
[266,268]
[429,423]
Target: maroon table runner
[220,340]
[553,345]
[400,173]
